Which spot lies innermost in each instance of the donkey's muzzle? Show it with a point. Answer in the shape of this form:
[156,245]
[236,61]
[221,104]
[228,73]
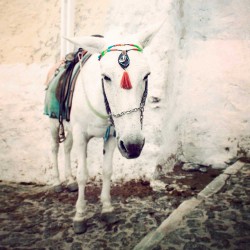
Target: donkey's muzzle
[131,149]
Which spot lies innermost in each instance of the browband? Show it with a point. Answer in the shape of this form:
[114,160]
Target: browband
[104,52]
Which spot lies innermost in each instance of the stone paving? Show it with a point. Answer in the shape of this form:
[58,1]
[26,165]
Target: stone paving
[219,222]
[34,217]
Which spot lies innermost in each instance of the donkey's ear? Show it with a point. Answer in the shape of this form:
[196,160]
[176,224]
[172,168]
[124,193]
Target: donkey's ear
[92,44]
[145,37]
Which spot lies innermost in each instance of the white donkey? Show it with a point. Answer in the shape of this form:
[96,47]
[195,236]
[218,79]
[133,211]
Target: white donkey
[110,90]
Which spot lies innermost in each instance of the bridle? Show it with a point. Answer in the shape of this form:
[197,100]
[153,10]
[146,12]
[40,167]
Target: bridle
[124,62]
[140,108]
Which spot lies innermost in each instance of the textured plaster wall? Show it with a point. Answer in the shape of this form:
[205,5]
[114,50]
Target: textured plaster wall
[199,69]
[208,88]
[30,30]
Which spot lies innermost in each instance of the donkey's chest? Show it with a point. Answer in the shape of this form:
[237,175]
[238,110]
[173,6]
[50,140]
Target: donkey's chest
[96,131]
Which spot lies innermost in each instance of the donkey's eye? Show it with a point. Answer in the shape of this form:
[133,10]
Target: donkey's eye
[106,78]
[146,76]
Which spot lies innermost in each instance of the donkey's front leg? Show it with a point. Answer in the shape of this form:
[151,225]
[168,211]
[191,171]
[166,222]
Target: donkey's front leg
[80,142]
[108,151]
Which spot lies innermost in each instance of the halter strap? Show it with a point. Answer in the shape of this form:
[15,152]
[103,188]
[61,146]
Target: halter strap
[140,108]
[109,49]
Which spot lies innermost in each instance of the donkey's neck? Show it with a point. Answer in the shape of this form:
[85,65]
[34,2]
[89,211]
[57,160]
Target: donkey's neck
[90,79]
[93,84]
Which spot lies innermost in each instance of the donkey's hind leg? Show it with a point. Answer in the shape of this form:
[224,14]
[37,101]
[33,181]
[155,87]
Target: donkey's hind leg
[54,150]
[71,183]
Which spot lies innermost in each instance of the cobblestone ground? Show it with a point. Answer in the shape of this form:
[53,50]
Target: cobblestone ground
[34,217]
[220,222]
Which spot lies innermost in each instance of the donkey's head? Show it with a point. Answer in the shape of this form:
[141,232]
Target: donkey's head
[124,73]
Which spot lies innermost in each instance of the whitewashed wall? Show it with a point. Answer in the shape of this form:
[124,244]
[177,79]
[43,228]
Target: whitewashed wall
[208,92]
[200,63]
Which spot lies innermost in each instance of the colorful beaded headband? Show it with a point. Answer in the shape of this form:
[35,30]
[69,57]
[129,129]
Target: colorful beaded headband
[123,61]
[104,52]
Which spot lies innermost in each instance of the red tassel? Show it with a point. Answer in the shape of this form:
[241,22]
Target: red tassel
[125,82]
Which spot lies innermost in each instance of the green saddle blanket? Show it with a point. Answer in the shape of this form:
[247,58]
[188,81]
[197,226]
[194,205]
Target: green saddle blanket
[52,105]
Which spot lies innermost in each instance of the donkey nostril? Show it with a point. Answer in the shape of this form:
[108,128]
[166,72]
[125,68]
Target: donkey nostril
[123,146]
[130,149]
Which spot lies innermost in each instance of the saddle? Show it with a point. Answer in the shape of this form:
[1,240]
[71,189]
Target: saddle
[60,85]
[66,78]
[65,88]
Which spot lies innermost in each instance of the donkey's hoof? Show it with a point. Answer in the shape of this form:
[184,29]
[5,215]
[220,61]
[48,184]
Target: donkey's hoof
[80,227]
[72,187]
[109,218]
[58,188]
